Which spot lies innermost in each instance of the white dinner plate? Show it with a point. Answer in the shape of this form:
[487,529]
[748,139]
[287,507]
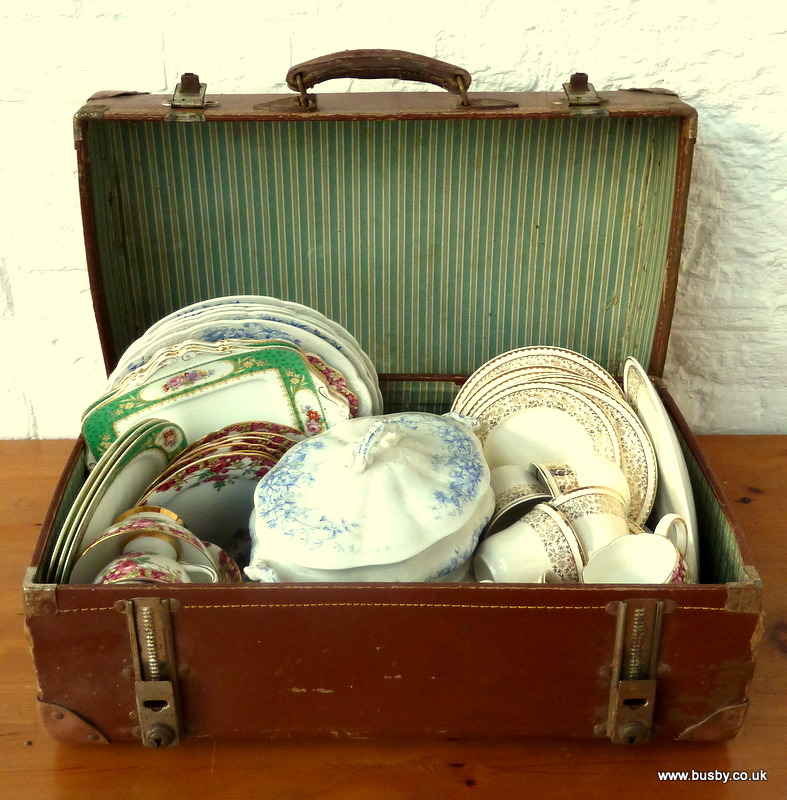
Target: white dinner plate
[112,487]
[535,356]
[674,494]
[544,422]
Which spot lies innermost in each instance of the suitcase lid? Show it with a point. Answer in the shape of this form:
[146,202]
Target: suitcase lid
[439,234]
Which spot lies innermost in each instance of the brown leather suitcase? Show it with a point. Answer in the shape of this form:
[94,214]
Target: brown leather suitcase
[440,228]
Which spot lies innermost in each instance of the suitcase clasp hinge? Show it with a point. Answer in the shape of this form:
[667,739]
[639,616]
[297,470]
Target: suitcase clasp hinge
[635,667]
[189,93]
[583,97]
[155,669]
[580,92]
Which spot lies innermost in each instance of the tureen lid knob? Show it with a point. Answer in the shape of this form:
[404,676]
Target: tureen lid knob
[382,435]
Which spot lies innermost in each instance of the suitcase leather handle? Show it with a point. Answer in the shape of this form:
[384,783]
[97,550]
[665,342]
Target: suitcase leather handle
[368,64]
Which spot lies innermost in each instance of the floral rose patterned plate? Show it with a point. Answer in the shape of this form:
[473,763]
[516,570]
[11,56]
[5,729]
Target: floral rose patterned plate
[215,497]
[249,445]
[252,426]
[274,382]
[258,316]
[298,314]
[200,458]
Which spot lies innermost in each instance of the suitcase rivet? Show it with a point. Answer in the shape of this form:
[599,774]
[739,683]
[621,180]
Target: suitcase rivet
[158,736]
[57,715]
[634,733]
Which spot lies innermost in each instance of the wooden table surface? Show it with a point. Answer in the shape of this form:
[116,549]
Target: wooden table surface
[752,470]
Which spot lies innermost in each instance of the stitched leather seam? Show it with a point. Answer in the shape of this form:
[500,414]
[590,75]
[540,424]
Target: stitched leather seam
[388,605]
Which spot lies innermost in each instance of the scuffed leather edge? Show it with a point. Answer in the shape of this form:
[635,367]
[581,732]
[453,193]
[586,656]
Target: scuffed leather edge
[40,599]
[745,597]
[721,726]
[106,93]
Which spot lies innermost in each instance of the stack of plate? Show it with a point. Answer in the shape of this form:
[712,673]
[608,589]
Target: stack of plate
[129,464]
[548,404]
[211,484]
[231,359]
[552,405]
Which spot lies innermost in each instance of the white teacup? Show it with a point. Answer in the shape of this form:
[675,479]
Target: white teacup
[674,528]
[153,559]
[598,516]
[641,558]
[539,548]
[517,490]
[583,473]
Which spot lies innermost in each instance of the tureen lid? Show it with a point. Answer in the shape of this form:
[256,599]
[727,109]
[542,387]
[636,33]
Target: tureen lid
[372,490]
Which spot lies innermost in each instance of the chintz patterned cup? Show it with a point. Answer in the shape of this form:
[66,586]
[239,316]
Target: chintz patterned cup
[597,516]
[149,567]
[156,531]
[583,473]
[517,490]
[540,547]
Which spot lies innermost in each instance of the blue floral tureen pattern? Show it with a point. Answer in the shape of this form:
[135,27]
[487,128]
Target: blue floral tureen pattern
[372,490]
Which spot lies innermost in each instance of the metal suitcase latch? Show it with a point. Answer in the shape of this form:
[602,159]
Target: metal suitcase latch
[580,92]
[189,93]
[155,669]
[635,668]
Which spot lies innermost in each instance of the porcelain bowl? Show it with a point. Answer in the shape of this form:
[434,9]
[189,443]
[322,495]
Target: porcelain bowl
[448,560]
[372,491]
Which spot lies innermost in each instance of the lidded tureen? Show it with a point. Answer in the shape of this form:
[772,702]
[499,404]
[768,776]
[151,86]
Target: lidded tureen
[373,491]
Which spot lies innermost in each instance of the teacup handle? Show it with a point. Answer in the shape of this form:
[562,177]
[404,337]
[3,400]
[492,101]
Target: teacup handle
[673,527]
[199,570]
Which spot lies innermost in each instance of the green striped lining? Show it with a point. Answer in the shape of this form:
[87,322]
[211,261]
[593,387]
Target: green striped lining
[720,557]
[73,486]
[437,243]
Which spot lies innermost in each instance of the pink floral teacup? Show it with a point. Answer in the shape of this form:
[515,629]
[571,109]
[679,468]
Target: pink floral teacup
[153,559]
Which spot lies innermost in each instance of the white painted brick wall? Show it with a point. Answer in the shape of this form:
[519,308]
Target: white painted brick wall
[727,363]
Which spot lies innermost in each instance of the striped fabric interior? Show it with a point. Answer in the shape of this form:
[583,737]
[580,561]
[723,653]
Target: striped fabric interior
[720,557]
[437,243]
[73,485]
